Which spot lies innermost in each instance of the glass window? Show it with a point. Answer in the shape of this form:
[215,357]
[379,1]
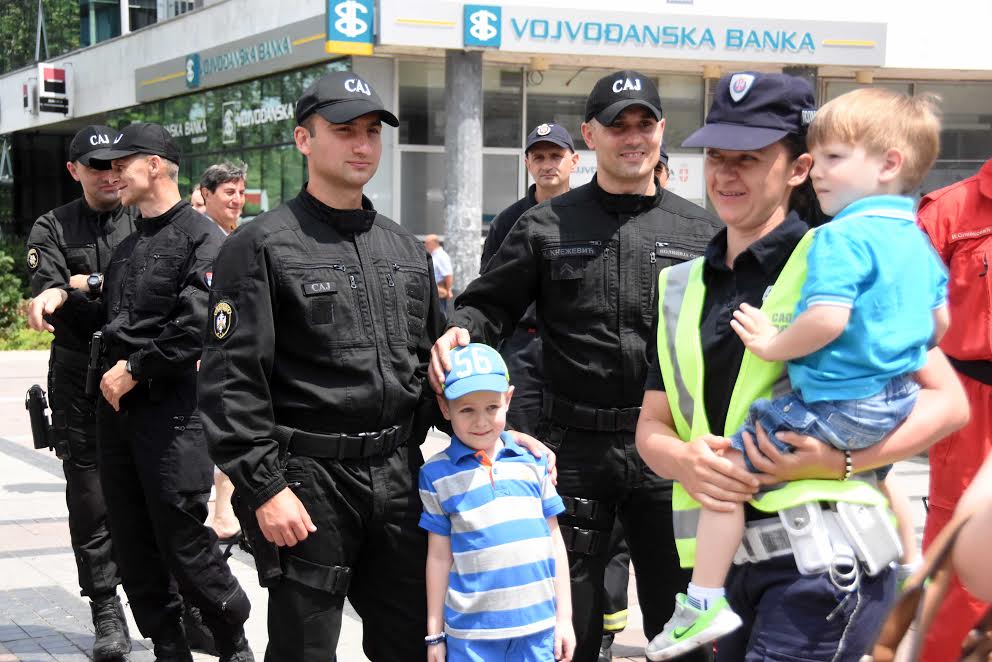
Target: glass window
[682,106]
[142,13]
[422,192]
[560,96]
[835,88]
[99,20]
[422,195]
[502,107]
[966,123]
[421,103]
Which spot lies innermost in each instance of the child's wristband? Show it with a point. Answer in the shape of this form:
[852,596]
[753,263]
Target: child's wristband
[848,465]
[435,639]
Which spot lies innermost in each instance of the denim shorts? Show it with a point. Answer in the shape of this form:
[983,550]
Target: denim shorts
[844,424]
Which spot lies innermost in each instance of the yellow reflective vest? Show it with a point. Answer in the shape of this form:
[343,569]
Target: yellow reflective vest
[680,357]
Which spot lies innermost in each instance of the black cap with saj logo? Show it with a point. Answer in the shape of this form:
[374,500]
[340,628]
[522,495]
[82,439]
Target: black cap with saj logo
[340,97]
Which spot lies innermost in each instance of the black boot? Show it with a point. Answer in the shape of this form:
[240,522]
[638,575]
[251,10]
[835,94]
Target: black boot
[113,641]
[606,648]
[236,649]
[171,645]
[199,637]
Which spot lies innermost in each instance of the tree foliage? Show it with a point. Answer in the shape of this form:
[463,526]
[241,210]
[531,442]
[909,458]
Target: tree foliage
[19,26]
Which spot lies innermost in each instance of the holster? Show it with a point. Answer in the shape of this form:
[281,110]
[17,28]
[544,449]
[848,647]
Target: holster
[53,435]
[94,367]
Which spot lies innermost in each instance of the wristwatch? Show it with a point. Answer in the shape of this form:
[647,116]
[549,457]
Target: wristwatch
[95,283]
[129,368]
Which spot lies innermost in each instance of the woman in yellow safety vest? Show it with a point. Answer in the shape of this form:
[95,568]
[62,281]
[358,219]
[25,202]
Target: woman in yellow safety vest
[702,382]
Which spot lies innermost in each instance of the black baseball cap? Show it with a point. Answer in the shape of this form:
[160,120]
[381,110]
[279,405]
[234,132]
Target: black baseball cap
[752,110]
[340,97]
[614,93]
[141,138]
[89,140]
[549,133]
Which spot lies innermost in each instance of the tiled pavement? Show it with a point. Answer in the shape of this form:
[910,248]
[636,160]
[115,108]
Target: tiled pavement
[42,616]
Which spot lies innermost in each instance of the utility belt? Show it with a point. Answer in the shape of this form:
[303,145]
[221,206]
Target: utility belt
[839,539]
[586,525]
[577,415]
[345,446]
[980,371]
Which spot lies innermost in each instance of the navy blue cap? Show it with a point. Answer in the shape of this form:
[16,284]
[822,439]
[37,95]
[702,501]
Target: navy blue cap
[752,110]
[549,133]
[616,92]
[663,157]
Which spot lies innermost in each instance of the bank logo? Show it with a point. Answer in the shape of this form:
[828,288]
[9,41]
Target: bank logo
[483,26]
[349,26]
[739,86]
[193,70]
[349,23]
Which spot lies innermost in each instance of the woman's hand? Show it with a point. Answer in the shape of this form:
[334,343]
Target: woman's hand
[711,479]
[811,458]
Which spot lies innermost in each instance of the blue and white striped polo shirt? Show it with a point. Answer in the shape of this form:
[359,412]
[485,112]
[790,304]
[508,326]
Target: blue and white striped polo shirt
[501,584]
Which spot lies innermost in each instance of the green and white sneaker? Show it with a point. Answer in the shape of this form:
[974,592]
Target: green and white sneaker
[690,628]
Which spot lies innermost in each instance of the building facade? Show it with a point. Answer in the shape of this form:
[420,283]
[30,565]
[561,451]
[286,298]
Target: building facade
[223,77]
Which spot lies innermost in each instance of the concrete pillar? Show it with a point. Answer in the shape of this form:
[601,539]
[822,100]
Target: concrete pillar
[463,163]
[807,72]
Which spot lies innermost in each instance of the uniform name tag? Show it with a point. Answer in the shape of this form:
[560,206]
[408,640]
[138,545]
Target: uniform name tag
[319,287]
[675,252]
[567,251]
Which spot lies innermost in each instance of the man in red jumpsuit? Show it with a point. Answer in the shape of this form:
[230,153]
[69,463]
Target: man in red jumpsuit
[958,220]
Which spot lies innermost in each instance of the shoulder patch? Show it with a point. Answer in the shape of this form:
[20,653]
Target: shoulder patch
[224,319]
[34,258]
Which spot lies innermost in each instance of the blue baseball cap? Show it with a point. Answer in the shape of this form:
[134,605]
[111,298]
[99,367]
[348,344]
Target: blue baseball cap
[475,367]
[549,132]
[752,110]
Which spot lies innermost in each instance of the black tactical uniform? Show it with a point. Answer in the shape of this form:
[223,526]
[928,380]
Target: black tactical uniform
[590,260]
[314,369]
[522,350]
[71,240]
[153,459]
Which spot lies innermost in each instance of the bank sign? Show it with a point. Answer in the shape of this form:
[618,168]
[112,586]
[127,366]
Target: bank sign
[294,45]
[629,34]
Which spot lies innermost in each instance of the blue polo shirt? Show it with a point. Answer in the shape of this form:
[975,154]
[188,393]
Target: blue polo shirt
[501,584]
[873,259]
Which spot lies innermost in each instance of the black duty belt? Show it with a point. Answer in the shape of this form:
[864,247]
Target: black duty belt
[980,371]
[346,446]
[586,417]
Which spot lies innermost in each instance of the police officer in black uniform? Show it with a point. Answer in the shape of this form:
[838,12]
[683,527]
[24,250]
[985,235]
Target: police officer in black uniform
[590,259]
[322,315]
[72,245]
[153,459]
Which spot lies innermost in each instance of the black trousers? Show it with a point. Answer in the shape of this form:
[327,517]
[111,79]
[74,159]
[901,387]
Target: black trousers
[523,356]
[98,574]
[605,467]
[156,476]
[366,513]
[615,582]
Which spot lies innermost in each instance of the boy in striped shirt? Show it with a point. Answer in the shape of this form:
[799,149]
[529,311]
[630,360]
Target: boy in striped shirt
[497,570]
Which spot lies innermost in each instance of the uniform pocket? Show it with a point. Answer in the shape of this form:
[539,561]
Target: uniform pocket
[408,285]
[186,465]
[970,290]
[81,258]
[576,277]
[325,298]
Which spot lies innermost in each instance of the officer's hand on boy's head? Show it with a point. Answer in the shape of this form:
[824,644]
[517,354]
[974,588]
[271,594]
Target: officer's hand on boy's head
[440,363]
[44,304]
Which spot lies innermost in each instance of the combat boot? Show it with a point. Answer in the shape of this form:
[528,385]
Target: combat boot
[606,649]
[199,637]
[236,649]
[171,645]
[113,641]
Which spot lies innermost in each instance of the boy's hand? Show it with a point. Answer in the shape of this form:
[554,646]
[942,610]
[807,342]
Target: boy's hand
[437,653]
[755,330]
[564,640]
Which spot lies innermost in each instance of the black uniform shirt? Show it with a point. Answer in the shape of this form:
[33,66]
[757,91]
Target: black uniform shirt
[69,240]
[501,225]
[755,270]
[321,320]
[155,293]
[590,260]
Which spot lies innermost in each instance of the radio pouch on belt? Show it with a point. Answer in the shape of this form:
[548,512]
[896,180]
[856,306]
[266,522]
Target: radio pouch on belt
[809,537]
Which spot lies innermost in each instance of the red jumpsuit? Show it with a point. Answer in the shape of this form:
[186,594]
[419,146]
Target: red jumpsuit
[958,220]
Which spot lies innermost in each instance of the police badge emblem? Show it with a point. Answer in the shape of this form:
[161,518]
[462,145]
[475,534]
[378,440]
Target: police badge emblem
[223,319]
[34,259]
[739,86]
[543,130]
